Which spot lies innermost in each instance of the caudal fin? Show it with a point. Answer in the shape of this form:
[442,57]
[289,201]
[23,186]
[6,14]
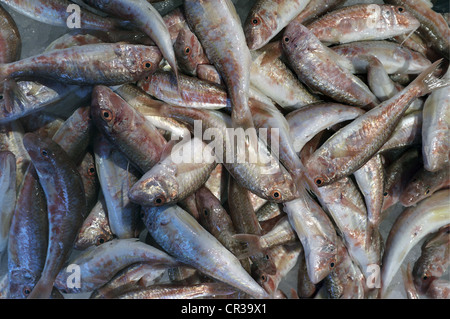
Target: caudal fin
[428,82]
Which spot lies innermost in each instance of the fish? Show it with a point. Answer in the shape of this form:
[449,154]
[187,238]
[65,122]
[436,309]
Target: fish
[176,176]
[8,197]
[436,129]
[278,82]
[189,52]
[409,228]
[143,16]
[194,91]
[267,18]
[219,29]
[116,176]
[332,161]
[263,176]
[394,57]
[27,244]
[76,133]
[58,176]
[268,211]
[95,229]
[89,176]
[244,219]
[397,175]
[126,128]
[433,26]
[10,39]
[439,289]
[315,9]
[42,123]
[316,233]
[98,264]
[216,220]
[433,260]
[308,121]
[362,22]
[411,291]
[305,288]
[172,228]
[54,12]
[178,291]
[103,63]
[424,184]
[315,65]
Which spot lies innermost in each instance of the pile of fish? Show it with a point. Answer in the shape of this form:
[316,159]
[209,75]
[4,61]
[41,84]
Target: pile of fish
[140,189]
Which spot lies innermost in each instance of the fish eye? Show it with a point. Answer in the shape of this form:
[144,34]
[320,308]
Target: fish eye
[91,170]
[26,291]
[263,278]
[267,257]
[100,240]
[332,264]
[107,115]
[147,65]
[425,277]
[256,21]
[187,50]
[44,152]
[286,39]
[275,195]
[427,192]
[1,96]
[318,181]
[385,194]
[158,201]
[205,212]
[400,9]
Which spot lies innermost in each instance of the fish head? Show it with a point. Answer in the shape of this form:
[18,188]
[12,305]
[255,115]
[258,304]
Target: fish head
[414,192]
[259,27]
[298,38]
[319,170]
[146,60]
[43,152]
[156,188]
[321,258]
[189,52]
[268,282]
[207,205]
[399,17]
[21,283]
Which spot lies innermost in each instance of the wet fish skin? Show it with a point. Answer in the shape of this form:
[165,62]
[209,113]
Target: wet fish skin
[277,81]
[104,63]
[439,289]
[394,57]
[8,197]
[215,219]
[173,228]
[307,122]
[42,123]
[220,32]
[436,129]
[146,18]
[99,264]
[433,260]
[27,245]
[10,39]
[58,176]
[267,18]
[54,12]
[314,66]
[76,133]
[95,229]
[305,288]
[194,92]
[175,177]
[411,226]
[363,22]
[316,8]
[316,233]
[116,176]
[433,26]
[332,161]
[126,128]
[398,174]
[89,176]
[268,181]
[189,52]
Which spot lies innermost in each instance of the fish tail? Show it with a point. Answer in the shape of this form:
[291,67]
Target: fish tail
[428,82]
[42,290]
[253,245]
